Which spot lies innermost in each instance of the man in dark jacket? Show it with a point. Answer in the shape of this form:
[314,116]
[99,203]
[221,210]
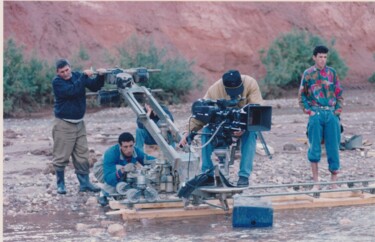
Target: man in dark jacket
[69,131]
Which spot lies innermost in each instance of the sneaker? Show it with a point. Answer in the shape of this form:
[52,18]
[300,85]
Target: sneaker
[209,182]
[243,181]
[103,201]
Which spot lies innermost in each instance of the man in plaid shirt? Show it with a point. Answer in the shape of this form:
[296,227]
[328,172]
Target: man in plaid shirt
[320,96]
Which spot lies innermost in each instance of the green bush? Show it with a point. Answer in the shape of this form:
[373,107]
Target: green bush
[289,55]
[372,77]
[27,81]
[176,76]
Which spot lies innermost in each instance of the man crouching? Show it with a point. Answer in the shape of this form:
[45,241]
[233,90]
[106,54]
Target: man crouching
[118,160]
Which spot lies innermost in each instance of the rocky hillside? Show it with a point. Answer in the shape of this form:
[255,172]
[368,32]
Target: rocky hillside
[216,35]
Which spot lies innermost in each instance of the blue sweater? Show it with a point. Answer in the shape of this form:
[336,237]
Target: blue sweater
[113,156]
[70,95]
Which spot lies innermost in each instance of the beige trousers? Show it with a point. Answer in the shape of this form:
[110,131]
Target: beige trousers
[70,140]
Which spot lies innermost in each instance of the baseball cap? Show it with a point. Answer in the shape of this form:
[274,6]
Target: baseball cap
[233,83]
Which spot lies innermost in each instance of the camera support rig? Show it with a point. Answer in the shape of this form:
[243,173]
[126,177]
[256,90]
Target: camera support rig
[178,165]
[183,164]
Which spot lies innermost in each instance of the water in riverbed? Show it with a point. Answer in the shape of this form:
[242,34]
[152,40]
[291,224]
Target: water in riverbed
[355,223]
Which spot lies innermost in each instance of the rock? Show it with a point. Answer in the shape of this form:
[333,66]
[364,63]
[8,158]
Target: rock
[82,227]
[116,230]
[5,201]
[96,231]
[91,201]
[289,147]
[105,223]
[370,153]
[261,151]
[10,134]
[7,143]
[345,222]
[49,169]
[46,152]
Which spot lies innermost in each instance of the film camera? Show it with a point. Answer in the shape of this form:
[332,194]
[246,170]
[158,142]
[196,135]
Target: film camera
[121,79]
[223,117]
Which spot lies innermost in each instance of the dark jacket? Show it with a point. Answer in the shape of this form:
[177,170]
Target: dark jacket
[70,95]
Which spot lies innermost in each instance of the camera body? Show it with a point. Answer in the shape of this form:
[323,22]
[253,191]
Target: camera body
[223,117]
[121,79]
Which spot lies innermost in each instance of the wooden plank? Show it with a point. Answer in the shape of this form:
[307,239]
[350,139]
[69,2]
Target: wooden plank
[324,202]
[118,205]
[291,198]
[278,203]
[171,213]
[341,194]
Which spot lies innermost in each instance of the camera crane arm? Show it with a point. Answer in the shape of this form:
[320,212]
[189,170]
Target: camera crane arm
[126,82]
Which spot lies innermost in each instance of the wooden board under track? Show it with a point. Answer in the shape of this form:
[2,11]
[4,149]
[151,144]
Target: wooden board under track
[177,210]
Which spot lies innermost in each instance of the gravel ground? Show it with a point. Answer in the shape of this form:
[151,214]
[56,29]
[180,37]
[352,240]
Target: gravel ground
[32,209]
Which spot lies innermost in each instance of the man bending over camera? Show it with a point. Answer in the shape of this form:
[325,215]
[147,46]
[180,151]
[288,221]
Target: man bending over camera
[231,86]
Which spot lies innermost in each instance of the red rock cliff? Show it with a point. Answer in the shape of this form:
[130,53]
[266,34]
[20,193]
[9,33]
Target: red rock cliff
[216,35]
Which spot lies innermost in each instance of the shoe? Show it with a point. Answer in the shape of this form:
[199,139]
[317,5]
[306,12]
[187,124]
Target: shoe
[85,184]
[243,181]
[103,201]
[60,182]
[209,182]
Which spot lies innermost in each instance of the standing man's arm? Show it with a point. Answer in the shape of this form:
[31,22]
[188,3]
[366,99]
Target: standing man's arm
[339,97]
[303,96]
[94,84]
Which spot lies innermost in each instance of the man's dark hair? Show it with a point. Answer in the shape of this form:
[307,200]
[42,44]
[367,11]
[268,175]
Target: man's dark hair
[60,63]
[125,137]
[320,49]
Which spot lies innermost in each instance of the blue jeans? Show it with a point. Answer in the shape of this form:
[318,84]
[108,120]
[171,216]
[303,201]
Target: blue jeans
[324,124]
[142,137]
[248,146]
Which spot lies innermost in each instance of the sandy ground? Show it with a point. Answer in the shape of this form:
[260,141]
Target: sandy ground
[33,210]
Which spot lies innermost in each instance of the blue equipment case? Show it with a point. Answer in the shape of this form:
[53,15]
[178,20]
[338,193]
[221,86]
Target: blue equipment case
[250,212]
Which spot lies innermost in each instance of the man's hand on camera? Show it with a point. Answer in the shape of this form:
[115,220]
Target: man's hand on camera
[101,71]
[89,72]
[183,140]
[129,168]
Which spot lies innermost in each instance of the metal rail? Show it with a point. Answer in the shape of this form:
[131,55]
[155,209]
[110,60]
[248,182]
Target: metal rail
[311,183]
[315,193]
[311,192]
[143,201]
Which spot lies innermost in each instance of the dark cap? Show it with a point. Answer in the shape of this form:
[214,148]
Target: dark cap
[233,83]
